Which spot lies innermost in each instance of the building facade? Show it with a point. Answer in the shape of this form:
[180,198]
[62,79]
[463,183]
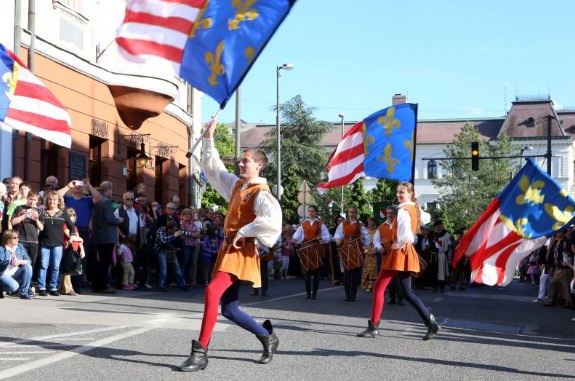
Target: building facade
[535,126]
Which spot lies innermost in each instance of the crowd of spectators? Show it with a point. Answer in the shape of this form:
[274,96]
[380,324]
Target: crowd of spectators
[135,243]
[126,244]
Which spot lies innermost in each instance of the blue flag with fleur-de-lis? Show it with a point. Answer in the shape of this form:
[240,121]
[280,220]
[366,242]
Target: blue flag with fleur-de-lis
[389,143]
[226,39]
[380,146]
[529,210]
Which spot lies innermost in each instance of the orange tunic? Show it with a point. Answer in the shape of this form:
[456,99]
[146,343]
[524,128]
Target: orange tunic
[313,232]
[244,263]
[351,231]
[405,259]
[386,236]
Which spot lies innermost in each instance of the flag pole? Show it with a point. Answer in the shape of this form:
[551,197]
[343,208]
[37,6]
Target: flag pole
[191,150]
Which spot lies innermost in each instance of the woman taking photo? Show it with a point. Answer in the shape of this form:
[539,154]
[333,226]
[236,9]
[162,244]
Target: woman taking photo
[403,261]
[55,219]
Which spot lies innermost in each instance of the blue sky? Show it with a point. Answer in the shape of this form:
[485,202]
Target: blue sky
[455,59]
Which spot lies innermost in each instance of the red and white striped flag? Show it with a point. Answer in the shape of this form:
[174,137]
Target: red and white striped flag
[346,162]
[156,31]
[27,105]
[210,44]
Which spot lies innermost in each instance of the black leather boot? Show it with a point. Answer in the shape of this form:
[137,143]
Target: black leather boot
[270,343]
[353,292]
[371,331]
[198,359]
[432,328]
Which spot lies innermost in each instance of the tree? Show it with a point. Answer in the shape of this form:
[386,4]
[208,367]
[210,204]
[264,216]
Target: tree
[302,155]
[226,146]
[466,193]
[361,199]
[384,191]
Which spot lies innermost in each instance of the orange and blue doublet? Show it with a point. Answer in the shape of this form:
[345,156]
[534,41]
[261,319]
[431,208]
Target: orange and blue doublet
[244,262]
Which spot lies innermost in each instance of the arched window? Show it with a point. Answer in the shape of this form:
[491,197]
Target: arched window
[431,169]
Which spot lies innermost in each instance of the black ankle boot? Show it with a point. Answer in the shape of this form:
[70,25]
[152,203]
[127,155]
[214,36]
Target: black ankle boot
[198,359]
[270,343]
[371,331]
[432,328]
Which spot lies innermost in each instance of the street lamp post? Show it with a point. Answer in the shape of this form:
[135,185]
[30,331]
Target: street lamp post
[285,66]
[342,133]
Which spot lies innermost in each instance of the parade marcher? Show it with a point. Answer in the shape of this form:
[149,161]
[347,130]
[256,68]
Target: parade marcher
[422,248]
[252,213]
[312,232]
[459,270]
[401,260]
[266,255]
[336,266]
[383,239]
[352,234]
[370,265]
[439,245]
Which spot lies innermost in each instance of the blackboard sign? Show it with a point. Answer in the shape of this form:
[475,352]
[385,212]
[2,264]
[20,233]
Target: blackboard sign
[77,166]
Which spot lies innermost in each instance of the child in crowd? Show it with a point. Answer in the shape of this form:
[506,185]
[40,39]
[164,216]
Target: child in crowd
[533,268]
[127,258]
[71,237]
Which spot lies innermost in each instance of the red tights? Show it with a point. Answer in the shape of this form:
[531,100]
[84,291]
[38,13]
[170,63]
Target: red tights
[383,279]
[218,285]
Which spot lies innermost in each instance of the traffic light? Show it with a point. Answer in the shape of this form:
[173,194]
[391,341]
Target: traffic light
[475,156]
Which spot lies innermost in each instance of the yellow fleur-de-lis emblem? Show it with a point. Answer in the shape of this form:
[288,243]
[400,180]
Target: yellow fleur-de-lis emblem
[11,79]
[388,159]
[215,64]
[561,216]
[388,121]
[243,13]
[201,22]
[409,145]
[519,226]
[250,54]
[367,141]
[531,192]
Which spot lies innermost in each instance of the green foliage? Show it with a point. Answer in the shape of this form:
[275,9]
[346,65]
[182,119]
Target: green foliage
[226,146]
[302,155]
[465,193]
[361,199]
[384,191]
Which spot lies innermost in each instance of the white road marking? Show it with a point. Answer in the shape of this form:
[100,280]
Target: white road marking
[71,353]
[14,359]
[21,342]
[23,352]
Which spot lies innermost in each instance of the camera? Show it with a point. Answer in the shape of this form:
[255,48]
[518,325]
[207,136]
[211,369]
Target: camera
[79,183]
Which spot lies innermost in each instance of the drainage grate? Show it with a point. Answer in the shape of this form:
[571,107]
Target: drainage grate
[479,326]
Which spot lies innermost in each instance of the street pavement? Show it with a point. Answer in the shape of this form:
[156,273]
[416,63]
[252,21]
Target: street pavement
[487,333]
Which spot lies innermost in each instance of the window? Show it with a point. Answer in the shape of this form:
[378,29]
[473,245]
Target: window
[431,169]
[95,166]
